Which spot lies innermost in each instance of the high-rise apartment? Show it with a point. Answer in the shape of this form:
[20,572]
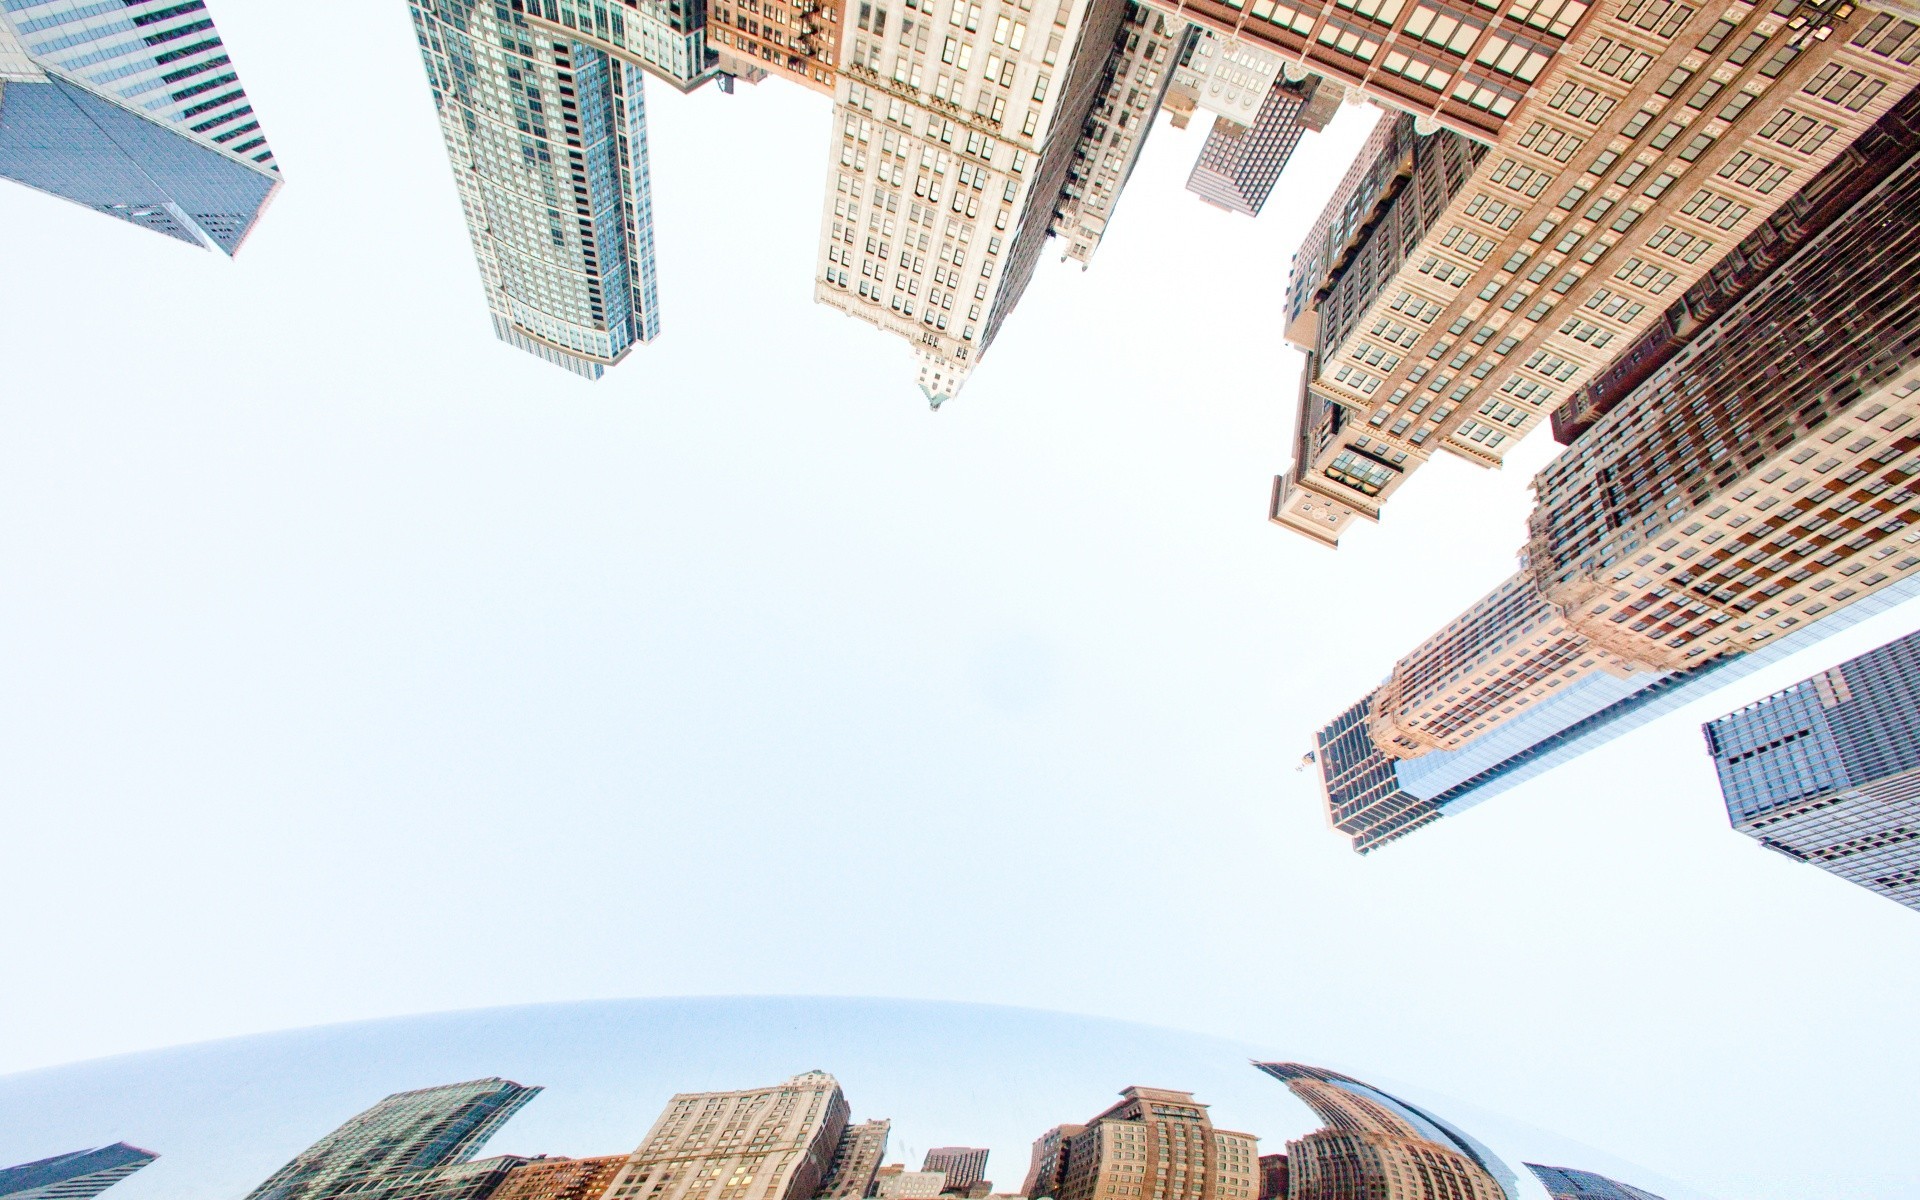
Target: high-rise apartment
[400,1143]
[1565,1183]
[771,1143]
[856,1161]
[963,1166]
[1239,164]
[1273,1177]
[1494,280]
[133,109]
[799,41]
[1139,70]
[1827,772]
[547,137]
[76,1175]
[1155,1144]
[560,1178]
[1747,498]
[955,127]
[1378,1145]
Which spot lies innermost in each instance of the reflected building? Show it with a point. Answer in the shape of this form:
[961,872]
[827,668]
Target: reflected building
[1565,1183]
[1240,164]
[1827,772]
[77,1175]
[772,1143]
[964,1167]
[547,136]
[1739,503]
[1154,1144]
[856,1161]
[1377,1146]
[560,1178]
[134,110]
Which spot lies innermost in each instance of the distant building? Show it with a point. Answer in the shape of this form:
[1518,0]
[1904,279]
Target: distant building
[1565,1183]
[412,1143]
[133,109]
[560,1178]
[1239,164]
[910,1185]
[1827,772]
[547,138]
[771,1143]
[963,1166]
[1155,1144]
[1273,1177]
[856,1161]
[76,1175]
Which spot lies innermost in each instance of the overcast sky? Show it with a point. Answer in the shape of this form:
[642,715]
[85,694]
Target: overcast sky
[353,664]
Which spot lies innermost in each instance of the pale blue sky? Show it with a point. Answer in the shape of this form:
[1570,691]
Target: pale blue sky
[353,665]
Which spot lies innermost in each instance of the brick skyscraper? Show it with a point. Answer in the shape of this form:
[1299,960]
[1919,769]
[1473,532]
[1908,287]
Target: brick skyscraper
[1154,1144]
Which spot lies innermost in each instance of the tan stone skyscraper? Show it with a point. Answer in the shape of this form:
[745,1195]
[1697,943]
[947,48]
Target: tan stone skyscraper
[1640,143]
[955,125]
[1154,1144]
[774,1143]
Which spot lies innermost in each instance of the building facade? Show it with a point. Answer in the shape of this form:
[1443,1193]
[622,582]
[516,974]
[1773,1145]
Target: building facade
[1635,157]
[772,1143]
[1155,1144]
[547,137]
[560,1178]
[955,128]
[856,1161]
[1565,1183]
[1742,498]
[1139,71]
[397,1145]
[963,1166]
[78,1175]
[1239,164]
[133,110]
[1827,772]
[910,1185]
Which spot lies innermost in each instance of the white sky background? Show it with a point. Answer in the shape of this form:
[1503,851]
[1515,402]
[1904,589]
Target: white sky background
[352,664]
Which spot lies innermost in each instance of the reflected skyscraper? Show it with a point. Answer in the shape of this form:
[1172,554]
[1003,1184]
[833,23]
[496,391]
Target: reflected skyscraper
[963,1166]
[133,109]
[77,1175]
[420,1142]
[1565,1183]
[856,1161]
[771,1143]
[547,137]
[1827,772]
[1377,1146]
[1154,1144]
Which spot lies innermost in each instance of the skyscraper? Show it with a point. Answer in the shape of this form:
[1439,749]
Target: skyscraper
[1565,1183]
[1742,501]
[1155,1144]
[1378,1145]
[1239,164]
[77,1175]
[771,1143]
[963,1166]
[547,137]
[1497,280]
[560,1178]
[134,110]
[1828,771]
[401,1144]
[1146,46]
[856,1160]
[954,133]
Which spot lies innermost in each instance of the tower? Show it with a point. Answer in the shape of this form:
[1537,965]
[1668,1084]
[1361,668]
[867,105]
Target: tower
[136,113]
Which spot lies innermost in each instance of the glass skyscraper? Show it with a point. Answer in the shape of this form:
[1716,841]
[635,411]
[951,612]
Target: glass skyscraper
[133,109]
[1828,771]
[1565,1183]
[547,137]
[412,1143]
[77,1175]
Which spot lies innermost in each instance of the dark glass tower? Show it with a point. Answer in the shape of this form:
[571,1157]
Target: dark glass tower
[1828,771]
[1565,1183]
[73,1176]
